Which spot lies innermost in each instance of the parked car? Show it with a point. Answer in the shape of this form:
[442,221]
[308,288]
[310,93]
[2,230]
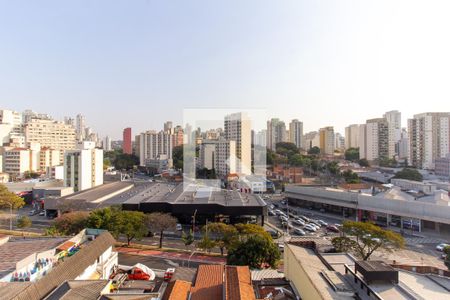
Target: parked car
[179,227]
[317,227]
[283,218]
[273,233]
[310,227]
[322,222]
[271,206]
[42,213]
[332,228]
[315,222]
[278,212]
[271,213]
[299,222]
[33,212]
[441,246]
[281,247]
[298,231]
[306,219]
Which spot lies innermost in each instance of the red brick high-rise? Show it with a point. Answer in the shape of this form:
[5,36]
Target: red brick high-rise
[127,148]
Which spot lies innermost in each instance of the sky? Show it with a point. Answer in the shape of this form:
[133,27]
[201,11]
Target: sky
[139,63]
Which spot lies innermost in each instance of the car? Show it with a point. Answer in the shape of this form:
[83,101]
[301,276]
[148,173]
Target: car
[42,213]
[271,213]
[323,223]
[441,246]
[33,212]
[299,222]
[298,231]
[283,202]
[273,233]
[278,212]
[310,228]
[281,247]
[271,206]
[315,222]
[332,228]
[306,219]
[314,226]
[179,227]
[284,218]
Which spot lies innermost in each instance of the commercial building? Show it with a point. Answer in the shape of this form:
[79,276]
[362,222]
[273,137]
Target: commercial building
[237,128]
[127,144]
[34,268]
[429,139]
[159,164]
[296,132]
[151,144]
[442,166]
[392,207]
[83,168]
[207,154]
[11,125]
[316,274]
[352,136]
[17,161]
[52,134]
[276,133]
[327,142]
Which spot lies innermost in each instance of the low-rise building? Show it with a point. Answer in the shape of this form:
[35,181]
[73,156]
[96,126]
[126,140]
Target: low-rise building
[442,166]
[423,187]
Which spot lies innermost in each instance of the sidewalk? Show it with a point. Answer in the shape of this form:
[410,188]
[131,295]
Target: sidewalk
[172,255]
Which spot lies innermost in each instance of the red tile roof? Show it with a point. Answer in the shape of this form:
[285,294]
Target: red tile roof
[209,283]
[177,290]
[238,283]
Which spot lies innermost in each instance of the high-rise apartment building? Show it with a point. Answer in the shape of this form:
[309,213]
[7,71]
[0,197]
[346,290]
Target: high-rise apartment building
[429,138]
[276,133]
[327,141]
[51,134]
[107,144]
[83,167]
[394,121]
[339,142]
[80,127]
[11,125]
[296,132]
[352,136]
[168,126]
[152,144]
[311,140]
[225,160]
[376,139]
[127,144]
[403,145]
[237,127]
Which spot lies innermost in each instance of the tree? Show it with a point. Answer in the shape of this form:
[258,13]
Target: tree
[30,175]
[71,222]
[333,167]
[365,238]
[23,222]
[107,218]
[246,230]
[447,257]
[131,224]
[270,157]
[177,156]
[410,174]
[364,163]
[224,235]
[350,176]
[206,243]
[9,199]
[187,238]
[286,149]
[352,154]
[343,244]
[255,251]
[314,151]
[158,222]
[125,161]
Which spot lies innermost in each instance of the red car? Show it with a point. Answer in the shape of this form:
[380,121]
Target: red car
[138,274]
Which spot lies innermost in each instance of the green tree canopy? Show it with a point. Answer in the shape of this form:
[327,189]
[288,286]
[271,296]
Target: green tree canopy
[24,222]
[352,154]
[410,174]
[158,222]
[255,251]
[314,151]
[364,238]
[107,218]
[132,225]
[350,176]
[177,156]
[286,149]
[364,162]
[71,222]
[224,235]
[9,199]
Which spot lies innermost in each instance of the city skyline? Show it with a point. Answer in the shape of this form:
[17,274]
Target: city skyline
[173,56]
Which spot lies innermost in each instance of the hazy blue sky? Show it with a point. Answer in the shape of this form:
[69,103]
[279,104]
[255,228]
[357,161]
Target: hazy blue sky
[139,63]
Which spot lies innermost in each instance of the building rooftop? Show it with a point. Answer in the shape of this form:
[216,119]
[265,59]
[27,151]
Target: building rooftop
[17,249]
[78,289]
[90,198]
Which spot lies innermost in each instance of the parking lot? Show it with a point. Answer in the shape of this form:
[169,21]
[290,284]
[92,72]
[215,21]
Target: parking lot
[419,250]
